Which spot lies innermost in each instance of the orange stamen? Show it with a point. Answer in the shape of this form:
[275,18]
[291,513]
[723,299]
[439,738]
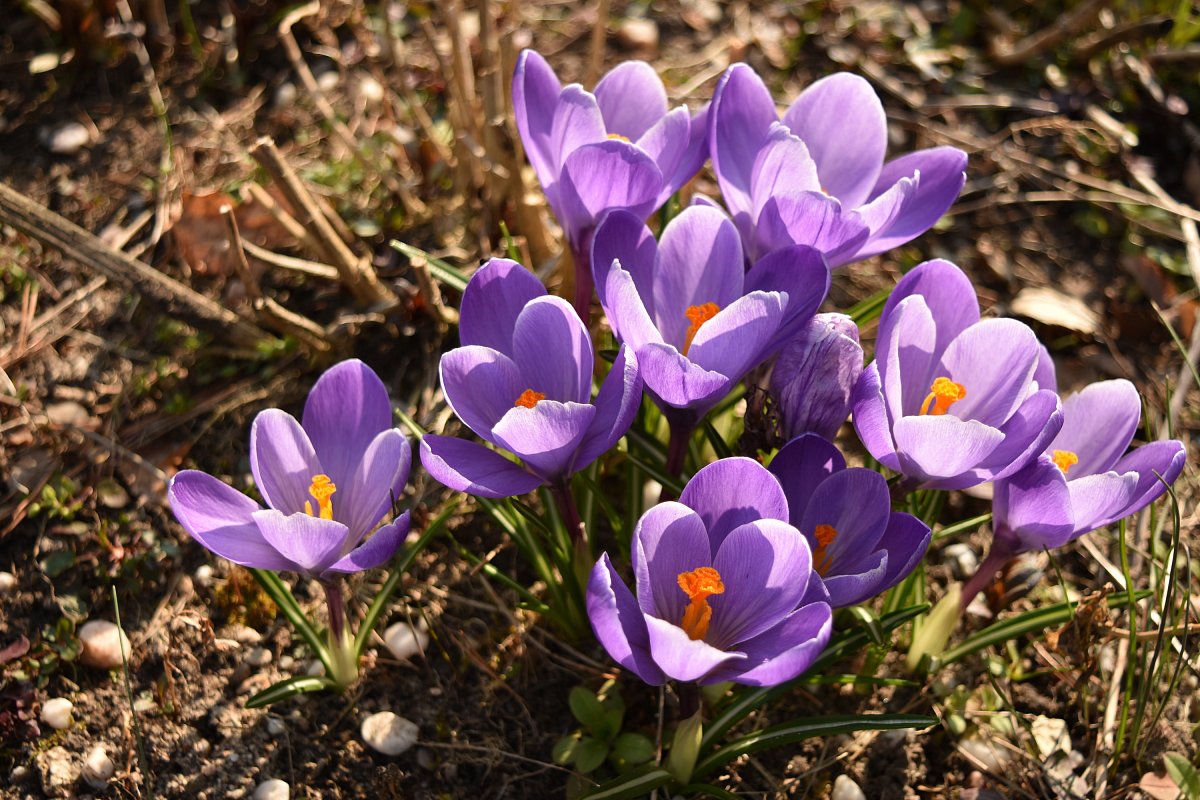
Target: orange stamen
[942,394]
[321,489]
[699,584]
[529,398]
[618,137]
[1064,460]
[822,561]
[697,316]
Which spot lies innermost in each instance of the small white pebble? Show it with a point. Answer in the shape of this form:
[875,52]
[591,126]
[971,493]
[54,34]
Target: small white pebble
[19,773]
[98,768]
[66,139]
[388,733]
[102,643]
[844,788]
[369,90]
[275,726]
[287,663]
[203,575]
[273,789]
[56,712]
[315,668]
[405,641]
[328,81]
[258,657]
[8,582]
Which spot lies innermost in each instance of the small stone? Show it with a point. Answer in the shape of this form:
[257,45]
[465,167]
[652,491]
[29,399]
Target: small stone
[328,81]
[102,643]
[258,657]
[962,560]
[67,139]
[68,413]
[405,641]
[273,789]
[1050,736]
[56,712]
[8,582]
[992,757]
[203,575]
[243,634]
[844,788]
[388,733]
[369,90]
[98,768]
[638,34]
[315,668]
[19,773]
[58,772]
[285,95]
[287,663]
[275,726]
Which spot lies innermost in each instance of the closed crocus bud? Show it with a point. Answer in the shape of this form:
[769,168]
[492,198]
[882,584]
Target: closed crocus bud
[815,375]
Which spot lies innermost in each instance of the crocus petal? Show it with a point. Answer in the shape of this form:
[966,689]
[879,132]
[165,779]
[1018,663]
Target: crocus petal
[619,624]
[880,214]
[1098,425]
[947,292]
[624,238]
[676,381]
[907,357]
[942,175]
[667,142]
[699,261]
[481,386]
[670,540]
[604,176]
[906,539]
[810,218]
[1096,498]
[856,503]
[577,122]
[783,166]
[627,312]
[732,492]
[219,517]
[765,566]
[1033,507]
[346,409]
[553,351]
[1157,465]
[632,99]
[492,302]
[800,466]
[547,436]
[376,551]
[854,584]
[470,467]
[801,273]
[782,653]
[742,113]
[741,335]
[681,657]
[311,543]
[1045,375]
[841,119]
[616,405]
[694,156]
[1026,434]
[944,447]
[870,418]
[362,501]
[994,360]
[282,460]
[535,92]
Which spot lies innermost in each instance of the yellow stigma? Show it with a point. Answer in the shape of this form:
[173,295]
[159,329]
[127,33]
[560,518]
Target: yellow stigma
[321,489]
[529,398]
[942,394]
[697,316]
[822,561]
[1064,460]
[699,584]
[618,137]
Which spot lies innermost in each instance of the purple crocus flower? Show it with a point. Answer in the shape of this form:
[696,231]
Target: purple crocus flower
[686,305]
[952,401]
[815,374]
[327,482]
[860,546]
[522,381]
[819,177]
[616,147]
[725,586]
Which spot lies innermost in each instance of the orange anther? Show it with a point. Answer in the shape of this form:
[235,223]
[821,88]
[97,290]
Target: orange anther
[942,394]
[699,585]
[529,398]
[697,316]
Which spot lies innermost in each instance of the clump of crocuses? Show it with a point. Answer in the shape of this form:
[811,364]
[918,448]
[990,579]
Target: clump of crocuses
[327,481]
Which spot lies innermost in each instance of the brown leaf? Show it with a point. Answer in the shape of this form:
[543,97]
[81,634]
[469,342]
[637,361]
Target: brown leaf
[1160,787]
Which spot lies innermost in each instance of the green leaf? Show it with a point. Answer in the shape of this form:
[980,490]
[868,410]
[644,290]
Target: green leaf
[588,710]
[639,784]
[868,310]
[298,684]
[57,563]
[1184,774]
[869,622]
[706,790]
[589,754]
[564,749]
[798,731]
[633,748]
[614,715]
[714,438]
[441,270]
[285,601]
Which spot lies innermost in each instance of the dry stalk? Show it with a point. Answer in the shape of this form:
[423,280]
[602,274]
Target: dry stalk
[1080,18]
[599,34]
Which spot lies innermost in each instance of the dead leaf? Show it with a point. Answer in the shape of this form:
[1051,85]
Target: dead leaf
[202,237]
[1160,787]
[1052,307]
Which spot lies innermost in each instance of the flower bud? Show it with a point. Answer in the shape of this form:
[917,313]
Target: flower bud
[815,374]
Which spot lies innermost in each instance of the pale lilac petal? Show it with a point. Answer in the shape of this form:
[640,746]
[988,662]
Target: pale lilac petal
[492,302]
[632,99]
[944,447]
[1096,498]
[907,358]
[742,113]
[741,335]
[870,418]
[627,312]
[362,501]
[1045,375]
[547,436]
[282,460]
[470,467]
[624,238]
[220,518]
[942,175]
[782,653]
[1034,507]
[481,386]
[676,381]
[699,261]
[856,582]
[994,360]
[732,492]
[841,119]
[1098,424]
[311,543]
[694,156]
[948,293]
[577,122]
[681,657]
[618,623]
[879,215]
[800,466]
[906,539]
[553,351]
[1157,465]
[376,551]
[667,143]
[601,177]
[670,540]
[346,409]
[616,405]
[765,566]
[810,218]
[783,166]
[1026,434]
[799,272]
[535,92]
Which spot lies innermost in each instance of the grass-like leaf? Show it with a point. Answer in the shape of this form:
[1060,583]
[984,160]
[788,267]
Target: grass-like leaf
[285,601]
[451,276]
[638,784]
[297,684]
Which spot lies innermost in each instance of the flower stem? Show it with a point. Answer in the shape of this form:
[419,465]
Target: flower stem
[585,284]
[996,558]
[689,698]
[570,513]
[345,666]
[902,488]
[677,448]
